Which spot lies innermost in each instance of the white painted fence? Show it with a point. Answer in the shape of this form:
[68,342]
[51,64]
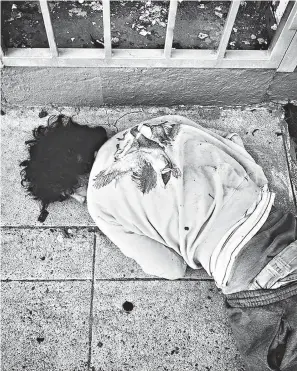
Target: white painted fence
[281,54]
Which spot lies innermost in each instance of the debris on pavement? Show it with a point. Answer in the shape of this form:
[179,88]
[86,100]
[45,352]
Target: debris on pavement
[202,36]
[60,238]
[151,14]
[96,42]
[42,114]
[274,27]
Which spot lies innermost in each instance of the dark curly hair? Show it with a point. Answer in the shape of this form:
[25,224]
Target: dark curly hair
[59,154]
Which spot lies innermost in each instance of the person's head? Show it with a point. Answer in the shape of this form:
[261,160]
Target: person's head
[59,155]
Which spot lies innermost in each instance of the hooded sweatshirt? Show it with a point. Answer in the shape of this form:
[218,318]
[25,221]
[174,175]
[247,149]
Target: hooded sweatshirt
[171,193]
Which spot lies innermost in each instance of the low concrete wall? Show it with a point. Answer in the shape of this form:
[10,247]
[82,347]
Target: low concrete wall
[283,86]
[135,86]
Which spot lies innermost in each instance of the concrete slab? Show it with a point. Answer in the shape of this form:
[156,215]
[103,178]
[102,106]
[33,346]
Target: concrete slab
[45,326]
[265,144]
[46,253]
[112,264]
[173,326]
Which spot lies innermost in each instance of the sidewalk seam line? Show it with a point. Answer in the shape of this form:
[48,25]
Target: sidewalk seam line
[45,280]
[152,279]
[91,305]
[93,227]
[107,280]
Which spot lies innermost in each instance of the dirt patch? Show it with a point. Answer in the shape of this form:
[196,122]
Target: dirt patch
[22,25]
[138,24]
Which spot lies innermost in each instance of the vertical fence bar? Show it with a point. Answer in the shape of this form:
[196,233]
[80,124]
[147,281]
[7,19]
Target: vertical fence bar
[284,34]
[106,28]
[293,23]
[170,28]
[48,27]
[228,29]
[280,10]
[289,62]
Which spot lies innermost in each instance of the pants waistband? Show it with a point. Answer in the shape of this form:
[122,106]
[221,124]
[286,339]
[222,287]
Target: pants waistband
[284,263]
[257,298]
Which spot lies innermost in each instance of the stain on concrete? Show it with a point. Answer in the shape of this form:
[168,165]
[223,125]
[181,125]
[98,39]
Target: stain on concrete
[128,306]
[42,114]
[175,351]
[40,340]
[68,233]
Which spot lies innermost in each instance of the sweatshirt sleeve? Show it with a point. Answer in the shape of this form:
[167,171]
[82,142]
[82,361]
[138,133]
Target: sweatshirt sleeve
[153,257]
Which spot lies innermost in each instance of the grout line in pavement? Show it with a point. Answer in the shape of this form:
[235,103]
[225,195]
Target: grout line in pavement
[153,279]
[104,280]
[46,280]
[94,228]
[91,306]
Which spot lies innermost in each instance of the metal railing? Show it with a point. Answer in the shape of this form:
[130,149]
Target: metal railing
[281,54]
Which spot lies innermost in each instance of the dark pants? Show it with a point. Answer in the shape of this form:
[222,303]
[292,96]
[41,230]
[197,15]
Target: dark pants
[264,320]
[264,324]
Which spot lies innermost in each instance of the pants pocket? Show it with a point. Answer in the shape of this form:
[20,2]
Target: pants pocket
[277,348]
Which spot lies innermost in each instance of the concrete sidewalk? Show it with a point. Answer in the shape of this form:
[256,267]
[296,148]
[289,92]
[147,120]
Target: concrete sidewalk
[71,301]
